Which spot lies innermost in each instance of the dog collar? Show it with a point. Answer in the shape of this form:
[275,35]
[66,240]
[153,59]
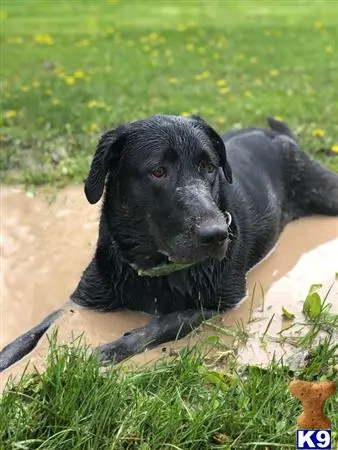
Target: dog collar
[162,270]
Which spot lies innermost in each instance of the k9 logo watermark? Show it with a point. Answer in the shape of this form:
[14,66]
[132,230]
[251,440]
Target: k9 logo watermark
[314,439]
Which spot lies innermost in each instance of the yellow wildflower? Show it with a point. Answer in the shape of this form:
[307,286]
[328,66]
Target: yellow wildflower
[215,56]
[248,94]
[70,80]
[55,101]
[36,84]
[173,80]
[274,72]
[96,104]
[334,148]
[318,25]
[44,39]
[318,132]
[185,114]
[48,92]
[11,114]
[93,127]
[25,88]
[279,118]
[224,90]
[329,49]
[202,75]
[83,43]
[253,60]
[221,120]
[190,46]
[221,83]
[79,74]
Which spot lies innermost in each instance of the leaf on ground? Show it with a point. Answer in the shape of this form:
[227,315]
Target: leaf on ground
[312,306]
[287,314]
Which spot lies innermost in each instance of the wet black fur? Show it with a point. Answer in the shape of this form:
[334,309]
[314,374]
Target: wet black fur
[263,179]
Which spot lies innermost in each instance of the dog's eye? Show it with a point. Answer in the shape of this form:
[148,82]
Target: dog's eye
[207,166]
[159,172]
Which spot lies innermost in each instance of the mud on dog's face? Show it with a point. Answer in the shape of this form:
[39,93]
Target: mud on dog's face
[165,189]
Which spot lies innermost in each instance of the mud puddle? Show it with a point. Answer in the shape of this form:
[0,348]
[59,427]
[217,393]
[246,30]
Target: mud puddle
[45,247]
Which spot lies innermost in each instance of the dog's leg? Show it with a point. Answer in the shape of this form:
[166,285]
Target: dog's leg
[159,331]
[25,343]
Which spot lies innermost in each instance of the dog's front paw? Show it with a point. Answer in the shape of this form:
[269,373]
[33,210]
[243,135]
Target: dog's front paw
[113,352]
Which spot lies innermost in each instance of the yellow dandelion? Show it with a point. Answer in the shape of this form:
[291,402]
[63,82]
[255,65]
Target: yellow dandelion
[215,56]
[185,114]
[253,60]
[55,101]
[48,92]
[329,49]
[11,114]
[334,148]
[248,94]
[203,75]
[224,90]
[18,40]
[153,36]
[221,120]
[280,118]
[173,80]
[45,39]
[96,104]
[274,72]
[70,80]
[25,89]
[83,43]
[221,83]
[318,25]
[190,46]
[93,127]
[36,84]
[318,132]
[79,74]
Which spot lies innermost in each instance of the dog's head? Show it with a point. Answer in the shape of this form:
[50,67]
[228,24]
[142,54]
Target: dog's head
[165,194]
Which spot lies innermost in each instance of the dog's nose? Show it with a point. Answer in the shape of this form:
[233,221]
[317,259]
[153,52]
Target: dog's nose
[212,234]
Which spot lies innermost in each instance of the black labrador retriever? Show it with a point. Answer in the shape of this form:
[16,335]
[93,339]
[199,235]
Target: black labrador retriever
[186,213]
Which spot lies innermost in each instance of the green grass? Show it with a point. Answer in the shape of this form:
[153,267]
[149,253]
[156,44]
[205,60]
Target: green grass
[197,399]
[72,69]
[232,62]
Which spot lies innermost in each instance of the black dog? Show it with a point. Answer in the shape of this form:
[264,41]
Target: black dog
[185,215]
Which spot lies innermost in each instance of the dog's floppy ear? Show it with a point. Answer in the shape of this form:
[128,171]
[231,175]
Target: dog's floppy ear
[219,146]
[107,150]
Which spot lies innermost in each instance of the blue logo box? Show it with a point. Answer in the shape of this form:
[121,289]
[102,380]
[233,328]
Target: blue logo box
[314,439]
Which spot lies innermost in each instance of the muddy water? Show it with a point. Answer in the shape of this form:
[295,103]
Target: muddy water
[45,247]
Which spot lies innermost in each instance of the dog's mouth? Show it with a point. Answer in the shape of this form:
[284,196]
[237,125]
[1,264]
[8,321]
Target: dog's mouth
[171,264]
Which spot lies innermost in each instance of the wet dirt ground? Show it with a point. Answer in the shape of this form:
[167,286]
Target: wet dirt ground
[45,246]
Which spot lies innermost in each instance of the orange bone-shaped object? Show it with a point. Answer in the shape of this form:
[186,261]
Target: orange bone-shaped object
[313,395]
